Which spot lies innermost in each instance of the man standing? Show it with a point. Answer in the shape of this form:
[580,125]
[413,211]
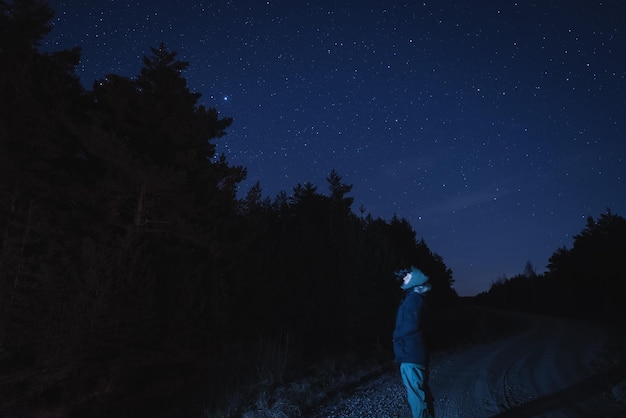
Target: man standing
[408,341]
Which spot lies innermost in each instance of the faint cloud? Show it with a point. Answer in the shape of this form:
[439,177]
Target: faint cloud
[464,201]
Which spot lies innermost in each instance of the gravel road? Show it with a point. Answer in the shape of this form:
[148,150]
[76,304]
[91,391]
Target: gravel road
[544,371]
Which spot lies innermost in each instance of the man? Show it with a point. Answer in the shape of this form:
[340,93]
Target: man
[408,341]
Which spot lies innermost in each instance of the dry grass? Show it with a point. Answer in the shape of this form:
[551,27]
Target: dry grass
[278,392]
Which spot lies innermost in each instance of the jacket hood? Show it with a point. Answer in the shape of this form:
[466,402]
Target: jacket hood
[421,289]
[417,279]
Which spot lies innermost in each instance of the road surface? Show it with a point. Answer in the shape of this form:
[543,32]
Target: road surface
[543,371]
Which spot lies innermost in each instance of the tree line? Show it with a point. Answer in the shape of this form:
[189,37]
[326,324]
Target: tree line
[586,281]
[120,225]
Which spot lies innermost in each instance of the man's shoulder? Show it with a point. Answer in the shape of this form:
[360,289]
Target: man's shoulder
[414,297]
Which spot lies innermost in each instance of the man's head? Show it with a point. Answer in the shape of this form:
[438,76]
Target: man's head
[414,277]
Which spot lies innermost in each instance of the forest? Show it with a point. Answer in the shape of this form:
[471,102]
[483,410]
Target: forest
[587,281]
[128,263]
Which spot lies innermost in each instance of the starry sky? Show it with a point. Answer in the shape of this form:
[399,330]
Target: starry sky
[494,127]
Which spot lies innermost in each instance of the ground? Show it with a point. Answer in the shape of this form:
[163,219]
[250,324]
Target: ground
[548,369]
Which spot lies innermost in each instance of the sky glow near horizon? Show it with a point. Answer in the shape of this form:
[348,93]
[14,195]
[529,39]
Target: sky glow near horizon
[494,127]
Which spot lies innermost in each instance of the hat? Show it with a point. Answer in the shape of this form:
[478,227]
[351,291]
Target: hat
[417,278]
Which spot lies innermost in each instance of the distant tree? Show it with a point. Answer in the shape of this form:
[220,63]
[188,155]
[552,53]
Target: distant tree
[304,193]
[586,280]
[529,270]
[338,190]
[253,199]
[560,262]
[598,274]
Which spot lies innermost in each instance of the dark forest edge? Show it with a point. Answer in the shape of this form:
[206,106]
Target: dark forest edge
[130,272]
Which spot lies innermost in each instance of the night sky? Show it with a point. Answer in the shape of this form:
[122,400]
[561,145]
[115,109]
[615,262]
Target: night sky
[494,127]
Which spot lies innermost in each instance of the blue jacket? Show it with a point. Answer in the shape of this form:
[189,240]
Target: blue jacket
[408,336]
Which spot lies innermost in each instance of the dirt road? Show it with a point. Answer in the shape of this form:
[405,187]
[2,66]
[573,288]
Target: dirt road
[544,371]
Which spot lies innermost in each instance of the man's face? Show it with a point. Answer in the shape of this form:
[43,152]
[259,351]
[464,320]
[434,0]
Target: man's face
[406,279]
